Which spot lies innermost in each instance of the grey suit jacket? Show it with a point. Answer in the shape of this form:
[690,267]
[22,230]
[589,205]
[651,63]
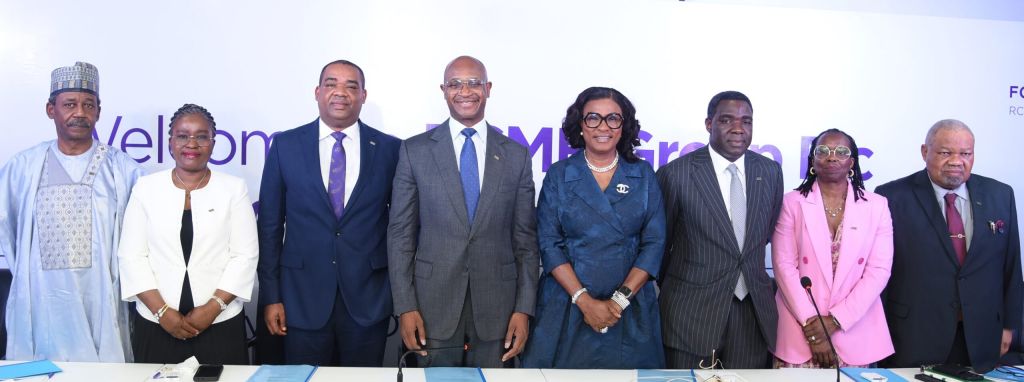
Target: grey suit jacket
[434,254]
[702,259]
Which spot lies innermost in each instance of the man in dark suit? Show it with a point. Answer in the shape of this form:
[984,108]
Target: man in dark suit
[322,227]
[717,301]
[463,253]
[955,291]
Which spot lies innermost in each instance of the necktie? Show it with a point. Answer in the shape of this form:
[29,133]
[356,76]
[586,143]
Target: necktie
[470,174]
[336,178]
[738,208]
[956,228]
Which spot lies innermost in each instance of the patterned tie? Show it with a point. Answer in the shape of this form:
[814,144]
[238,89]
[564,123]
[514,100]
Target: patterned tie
[469,172]
[738,206]
[956,228]
[336,178]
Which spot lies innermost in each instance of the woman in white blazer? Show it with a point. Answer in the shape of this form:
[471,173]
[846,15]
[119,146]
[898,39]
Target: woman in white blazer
[188,253]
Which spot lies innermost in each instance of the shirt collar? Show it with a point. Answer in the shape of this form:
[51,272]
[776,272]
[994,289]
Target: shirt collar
[456,128]
[326,131]
[720,163]
[940,192]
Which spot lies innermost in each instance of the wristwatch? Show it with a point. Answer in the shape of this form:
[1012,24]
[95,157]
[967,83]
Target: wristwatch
[621,296]
[626,292]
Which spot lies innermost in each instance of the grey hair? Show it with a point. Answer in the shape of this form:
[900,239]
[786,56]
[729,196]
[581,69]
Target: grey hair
[945,124]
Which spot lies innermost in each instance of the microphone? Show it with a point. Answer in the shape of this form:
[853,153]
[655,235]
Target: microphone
[401,360]
[806,283]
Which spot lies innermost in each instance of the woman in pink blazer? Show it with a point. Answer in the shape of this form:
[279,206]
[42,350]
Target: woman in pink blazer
[840,236]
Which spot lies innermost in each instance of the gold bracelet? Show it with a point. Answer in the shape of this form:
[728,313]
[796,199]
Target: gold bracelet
[160,313]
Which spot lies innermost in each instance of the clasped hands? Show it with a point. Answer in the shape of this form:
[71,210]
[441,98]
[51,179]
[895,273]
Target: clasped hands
[188,326]
[821,352]
[599,314]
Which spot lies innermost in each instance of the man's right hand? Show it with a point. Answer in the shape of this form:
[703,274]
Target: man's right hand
[413,335]
[274,315]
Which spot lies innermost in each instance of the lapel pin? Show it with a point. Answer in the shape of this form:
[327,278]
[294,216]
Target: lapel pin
[211,210]
[622,188]
[496,157]
[372,143]
[757,178]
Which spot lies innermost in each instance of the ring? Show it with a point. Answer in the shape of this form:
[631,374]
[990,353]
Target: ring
[604,330]
[813,339]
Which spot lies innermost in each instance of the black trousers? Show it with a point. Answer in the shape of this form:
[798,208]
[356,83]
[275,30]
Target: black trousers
[221,344]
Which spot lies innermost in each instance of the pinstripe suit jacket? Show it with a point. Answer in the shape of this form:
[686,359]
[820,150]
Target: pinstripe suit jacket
[702,258]
[435,255]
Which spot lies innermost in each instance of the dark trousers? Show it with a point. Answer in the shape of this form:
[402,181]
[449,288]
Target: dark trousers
[222,343]
[340,342]
[958,352]
[742,345]
[481,353]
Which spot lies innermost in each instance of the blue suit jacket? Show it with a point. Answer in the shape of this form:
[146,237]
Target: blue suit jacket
[306,254]
[928,286]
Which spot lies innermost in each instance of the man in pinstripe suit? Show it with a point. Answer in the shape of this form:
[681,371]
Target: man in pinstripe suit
[717,301]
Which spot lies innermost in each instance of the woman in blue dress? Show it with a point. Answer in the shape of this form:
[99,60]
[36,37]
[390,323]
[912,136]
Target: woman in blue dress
[601,228]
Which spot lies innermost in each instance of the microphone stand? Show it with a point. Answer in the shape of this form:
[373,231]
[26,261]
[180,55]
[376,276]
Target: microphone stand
[806,283]
[401,359]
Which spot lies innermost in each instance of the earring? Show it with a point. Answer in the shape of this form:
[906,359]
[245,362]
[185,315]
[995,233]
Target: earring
[581,133]
[850,174]
[811,171]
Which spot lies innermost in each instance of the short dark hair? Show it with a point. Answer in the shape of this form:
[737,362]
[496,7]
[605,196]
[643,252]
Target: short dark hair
[193,109]
[857,180]
[572,124]
[727,96]
[362,78]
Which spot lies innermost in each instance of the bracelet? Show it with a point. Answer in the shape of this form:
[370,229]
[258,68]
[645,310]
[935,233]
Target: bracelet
[160,312]
[620,299]
[577,294]
[223,305]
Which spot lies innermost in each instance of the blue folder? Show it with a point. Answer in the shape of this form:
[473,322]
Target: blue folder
[454,374]
[854,373]
[28,369]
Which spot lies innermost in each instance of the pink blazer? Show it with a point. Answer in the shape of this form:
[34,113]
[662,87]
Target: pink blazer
[801,247]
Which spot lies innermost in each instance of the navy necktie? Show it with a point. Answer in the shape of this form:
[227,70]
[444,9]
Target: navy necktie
[336,178]
[470,174]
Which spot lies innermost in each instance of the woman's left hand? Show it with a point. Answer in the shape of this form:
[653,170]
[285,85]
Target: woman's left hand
[202,316]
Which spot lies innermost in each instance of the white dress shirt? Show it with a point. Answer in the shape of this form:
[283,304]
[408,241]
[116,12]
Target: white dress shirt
[479,142]
[963,201]
[224,246]
[721,166]
[352,155]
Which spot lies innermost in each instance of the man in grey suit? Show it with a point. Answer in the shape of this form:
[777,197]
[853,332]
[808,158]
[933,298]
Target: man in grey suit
[717,301]
[462,253]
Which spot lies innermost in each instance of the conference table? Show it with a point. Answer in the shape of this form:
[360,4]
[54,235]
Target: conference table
[138,372]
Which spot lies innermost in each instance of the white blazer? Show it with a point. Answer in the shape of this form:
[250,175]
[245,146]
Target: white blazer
[224,248]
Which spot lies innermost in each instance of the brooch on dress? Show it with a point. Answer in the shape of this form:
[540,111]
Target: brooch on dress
[622,188]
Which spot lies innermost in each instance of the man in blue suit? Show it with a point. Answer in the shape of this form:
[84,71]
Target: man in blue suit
[955,292]
[323,220]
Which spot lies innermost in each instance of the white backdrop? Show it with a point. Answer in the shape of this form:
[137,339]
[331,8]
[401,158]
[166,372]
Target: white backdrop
[882,72]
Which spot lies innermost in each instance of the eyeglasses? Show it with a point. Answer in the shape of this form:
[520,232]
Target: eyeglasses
[201,140]
[455,84]
[593,120]
[840,152]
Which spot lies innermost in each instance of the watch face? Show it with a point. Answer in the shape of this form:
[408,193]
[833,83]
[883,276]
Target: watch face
[625,290]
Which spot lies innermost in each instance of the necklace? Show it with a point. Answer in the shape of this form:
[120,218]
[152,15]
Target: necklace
[833,212]
[188,190]
[615,162]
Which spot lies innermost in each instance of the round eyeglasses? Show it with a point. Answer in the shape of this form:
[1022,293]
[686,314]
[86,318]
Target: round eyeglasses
[840,152]
[593,120]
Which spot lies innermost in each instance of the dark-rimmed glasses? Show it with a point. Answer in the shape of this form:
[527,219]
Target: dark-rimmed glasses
[201,140]
[840,152]
[593,120]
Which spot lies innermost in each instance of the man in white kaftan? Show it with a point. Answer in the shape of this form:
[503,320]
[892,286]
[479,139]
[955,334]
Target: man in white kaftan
[61,205]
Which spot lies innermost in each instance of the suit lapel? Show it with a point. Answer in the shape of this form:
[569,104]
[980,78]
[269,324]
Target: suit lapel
[448,170]
[707,186]
[582,183]
[816,226]
[310,146]
[979,213]
[757,199]
[367,150]
[494,172]
[929,203]
[855,221]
